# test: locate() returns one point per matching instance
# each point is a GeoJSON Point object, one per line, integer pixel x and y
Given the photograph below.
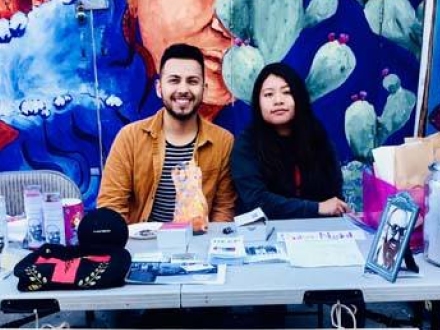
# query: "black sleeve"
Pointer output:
{"type": "Point", "coordinates": [253, 191]}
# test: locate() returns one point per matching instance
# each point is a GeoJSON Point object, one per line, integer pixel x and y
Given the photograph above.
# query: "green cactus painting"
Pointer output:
{"type": "Point", "coordinates": [365, 130]}
{"type": "Point", "coordinates": [256, 26]}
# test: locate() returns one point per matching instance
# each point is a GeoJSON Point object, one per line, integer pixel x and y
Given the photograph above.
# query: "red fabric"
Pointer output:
{"type": "Point", "coordinates": [65, 270]}
{"type": "Point", "coordinates": [297, 180]}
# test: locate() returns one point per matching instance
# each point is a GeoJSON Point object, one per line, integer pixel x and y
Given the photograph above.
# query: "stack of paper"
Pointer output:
{"type": "Point", "coordinates": [265, 252]}
{"type": "Point", "coordinates": [145, 272]}
{"type": "Point", "coordinates": [252, 225]}
{"type": "Point", "coordinates": [227, 250]}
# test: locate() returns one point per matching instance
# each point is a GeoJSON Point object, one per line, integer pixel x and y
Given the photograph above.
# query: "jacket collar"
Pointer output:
{"type": "Point", "coordinates": [153, 126]}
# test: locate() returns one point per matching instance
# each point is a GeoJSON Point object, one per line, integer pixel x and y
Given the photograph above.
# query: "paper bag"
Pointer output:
{"type": "Point", "coordinates": [191, 205]}
{"type": "Point", "coordinates": [435, 141]}
{"type": "Point", "coordinates": [411, 164]}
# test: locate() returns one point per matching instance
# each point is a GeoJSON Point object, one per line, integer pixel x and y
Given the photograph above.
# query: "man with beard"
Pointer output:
{"type": "Point", "coordinates": [394, 231]}
{"type": "Point", "coordinates": [137, 181]}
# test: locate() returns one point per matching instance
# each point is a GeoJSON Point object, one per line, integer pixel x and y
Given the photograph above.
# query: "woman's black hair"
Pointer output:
{"type": "Point", "coordinates": [308, 141]}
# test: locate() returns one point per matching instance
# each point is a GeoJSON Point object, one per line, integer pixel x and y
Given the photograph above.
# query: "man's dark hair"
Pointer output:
{"type": "Point", "coordinates": [182, 51]}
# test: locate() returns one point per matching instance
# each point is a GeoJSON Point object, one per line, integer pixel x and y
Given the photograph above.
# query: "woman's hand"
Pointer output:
{"type": "Point", "coordinates": [333, 206]}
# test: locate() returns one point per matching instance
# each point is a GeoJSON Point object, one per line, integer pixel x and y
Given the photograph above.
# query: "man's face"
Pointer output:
{"type": "Point", "coordinates": [181, 87]}
{"type": "Point", "coordinates": [53, 235]}
{"type": "Point", "coordinates": [36, 230]}
{"type": "Point", "coordinates": [397, 224]}
{"type": "Point", "coordinates": [193, 22]}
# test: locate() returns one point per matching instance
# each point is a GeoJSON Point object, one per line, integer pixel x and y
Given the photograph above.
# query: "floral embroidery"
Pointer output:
{"type": "Point", "coordinates": [90, 280]}
{"type": "Point", "coordinates": [36, 279]}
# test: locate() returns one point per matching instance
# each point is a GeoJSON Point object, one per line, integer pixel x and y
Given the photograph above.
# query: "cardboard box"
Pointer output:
{"type": "Point", "coordinates": [252, 225]}
{"type": "Point", "coordinates": [174, 235]}
{"type": "Point", "coordinates": [54, 227]}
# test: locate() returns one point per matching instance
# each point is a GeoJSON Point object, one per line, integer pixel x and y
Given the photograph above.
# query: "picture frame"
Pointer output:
{"type": "Point", "coordinates": [392, 236]}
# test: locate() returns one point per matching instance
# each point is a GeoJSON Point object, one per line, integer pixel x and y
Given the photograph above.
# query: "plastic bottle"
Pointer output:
{"type": "Point", "coordinates": [431, 230]}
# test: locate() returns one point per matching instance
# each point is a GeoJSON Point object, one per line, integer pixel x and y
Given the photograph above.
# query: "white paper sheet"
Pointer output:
{"type": "Point", "coordinates": [323, 253]}
{"type": "Point", "coordinates": [384, 163]}
{"type": "Point", "coordinates": [149, 257]}
{"type": "Point", "coordinates": [227, 247]}
{"type": "Point", "coordinates": [321, 235]}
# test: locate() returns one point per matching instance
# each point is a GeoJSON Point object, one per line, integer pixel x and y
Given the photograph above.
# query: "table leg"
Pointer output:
{"type": "Point", "coordinates": [435, 315]}
{"type": "Point", "coordinates": [330, 297]}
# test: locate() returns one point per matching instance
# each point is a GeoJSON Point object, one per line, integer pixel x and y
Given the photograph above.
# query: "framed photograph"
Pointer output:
{"type": "Point", "coordinates": [392, 236]}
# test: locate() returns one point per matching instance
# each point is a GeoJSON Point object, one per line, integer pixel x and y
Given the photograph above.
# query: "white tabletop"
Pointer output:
{"type": "Point", "coordinates": [255, 284]}
{"type": "Point", "coordinates": [126, 297]}
{"type": "Point", "coordinates": [260, 284]}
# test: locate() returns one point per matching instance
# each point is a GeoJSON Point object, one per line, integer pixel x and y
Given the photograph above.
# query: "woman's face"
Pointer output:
{"type": "Point", "coordinates": [277, 104]}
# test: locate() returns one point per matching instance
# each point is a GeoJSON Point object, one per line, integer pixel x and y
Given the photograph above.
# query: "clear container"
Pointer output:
{"type": "Point", "coordinates": [431, 230]}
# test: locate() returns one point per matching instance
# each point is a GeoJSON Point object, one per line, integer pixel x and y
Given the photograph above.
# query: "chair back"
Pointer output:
{"type": "Point", "coordinates": [12, 184]}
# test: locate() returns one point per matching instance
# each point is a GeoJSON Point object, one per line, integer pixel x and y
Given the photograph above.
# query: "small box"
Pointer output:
{"type": "Point", "coordinates": [174, 235]}
{"type": "Point", "coordinates": [252, 225]}
{"type": "Point", "coordinates": [53, 218]}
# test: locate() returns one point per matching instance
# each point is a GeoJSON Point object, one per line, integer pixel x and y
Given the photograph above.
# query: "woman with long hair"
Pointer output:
{"type": "Point", "coordinates": [284, 162]}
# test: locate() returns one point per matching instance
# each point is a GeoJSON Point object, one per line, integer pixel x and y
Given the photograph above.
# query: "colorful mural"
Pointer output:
{"type": "Point", "coordinates": [72, 76]}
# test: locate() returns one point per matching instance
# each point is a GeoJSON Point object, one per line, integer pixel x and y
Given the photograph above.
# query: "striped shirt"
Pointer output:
{"type": "Point", "coordinates": [165, 199]}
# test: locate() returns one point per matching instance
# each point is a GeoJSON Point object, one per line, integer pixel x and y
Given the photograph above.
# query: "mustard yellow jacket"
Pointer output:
{"type": "Point", "coordinates": [134, 166]}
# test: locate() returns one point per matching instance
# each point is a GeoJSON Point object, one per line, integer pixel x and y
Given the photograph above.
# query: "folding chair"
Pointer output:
{"type": "Point", "coordinates": [12, 184]}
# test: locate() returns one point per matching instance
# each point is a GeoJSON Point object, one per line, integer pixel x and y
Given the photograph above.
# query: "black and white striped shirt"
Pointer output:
{"type": "Point", "coordinates": [164, 201]}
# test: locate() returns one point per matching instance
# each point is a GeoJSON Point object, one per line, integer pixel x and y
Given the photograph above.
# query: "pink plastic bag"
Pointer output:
{"type": "Point", "coordinates": [375, 194]}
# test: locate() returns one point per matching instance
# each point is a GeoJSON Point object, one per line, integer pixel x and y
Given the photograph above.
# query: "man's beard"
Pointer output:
{"type": "Point", "coordinates": [391, 249]}
{"type": "Point", "coordinates": [181, 116]}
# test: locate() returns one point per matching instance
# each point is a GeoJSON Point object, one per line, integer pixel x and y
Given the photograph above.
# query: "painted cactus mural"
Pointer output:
{"type": "Point", "coordinates": [361, 127]}
{"type": "Point", "coordinates": [256, 24]}
{"type": "Point", "coordinates": [398, 21]}
{"type": "Point", "coordinates": [332, 65]}
{"type": "Point", "coordinates": [69, 82]}
{"type": "Point", "coordinates": [398, 108]}
{"type": "Point", "coordinates": [365, 130]}
{"type": "Point", "coordinates": [251, 62]}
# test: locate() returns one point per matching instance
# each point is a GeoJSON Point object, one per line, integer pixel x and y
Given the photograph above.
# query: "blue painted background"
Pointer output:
{"type": "Point", "coordinates": [67, 87]}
